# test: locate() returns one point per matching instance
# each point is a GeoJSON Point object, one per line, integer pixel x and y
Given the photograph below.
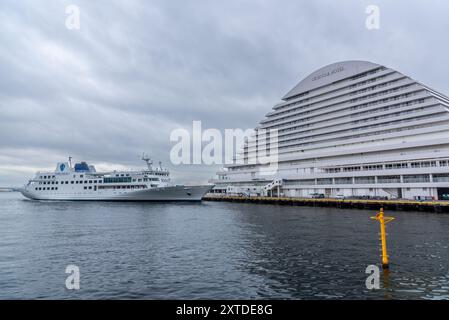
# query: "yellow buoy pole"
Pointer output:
{"type": "Point", "coordinates": [383, 235]}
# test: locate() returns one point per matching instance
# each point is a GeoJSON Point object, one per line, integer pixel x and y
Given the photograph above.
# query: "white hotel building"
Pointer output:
{"type": "Point", "coordinates": [352, 129]}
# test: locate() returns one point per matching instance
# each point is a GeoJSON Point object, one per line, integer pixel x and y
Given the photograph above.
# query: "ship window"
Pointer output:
{"type": "Point", "coordinates": [90, 188]}
{"type": "Point", "coordinates": [85, 181]}
{"type": "Point", "coordinates": [95, 181]}
{"type": "Point", "coordinates": [52, 188]}
{"type": "Point", "coordinates": [81, 175]}
{"type": "Point", "coordinates": [99, 181]}
{"type": "Point", "coordinates": [35, 189]}
{"type": "Point", "coordinates": [56, 188]}
{"type": "Point", "coordinates": [56, 182]}
{"type": "Point", "coordinates": [90, 181]}
{"type": "Point", "coordinates": [117, 180]}
{"type": "Point", "coordinates": [85, 188]}
{"type": "Point", "coordinates": [52, 182]}
{"type": "Point", "coordinates": [72, 182]}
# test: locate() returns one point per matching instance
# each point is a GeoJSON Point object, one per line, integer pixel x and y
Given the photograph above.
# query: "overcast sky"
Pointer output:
{"type": "Point", "coordinates": [136, 70]}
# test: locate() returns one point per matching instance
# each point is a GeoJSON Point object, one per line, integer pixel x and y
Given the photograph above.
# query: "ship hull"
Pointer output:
{"type": "Point", "coordinates": [173, 193]}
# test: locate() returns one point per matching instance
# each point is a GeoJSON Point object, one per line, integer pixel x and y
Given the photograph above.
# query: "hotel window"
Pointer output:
{"type": "Point", "coordinates": [389, 179]}
{"type": "Point", "coordinates": [442, 177]}
{"type": "Point", "coordinates": [324, 181]}
{"type": "Point", "coordinates": [343, 180]}
{"type": "Point", "coordinates": [365, 180]}
{"type": "Point", "coordinates": [396, 166]}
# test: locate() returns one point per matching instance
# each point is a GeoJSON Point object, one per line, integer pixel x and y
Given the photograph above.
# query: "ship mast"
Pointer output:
{"type": "Point", "coordinates": [148, 160]}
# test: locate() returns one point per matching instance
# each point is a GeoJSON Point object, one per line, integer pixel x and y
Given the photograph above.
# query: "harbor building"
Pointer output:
{"type": "Point", "coordinates": [352, 129]}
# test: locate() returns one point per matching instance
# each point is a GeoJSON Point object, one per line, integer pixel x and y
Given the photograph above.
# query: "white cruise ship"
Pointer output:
{"type": "Point", "coordinates": [82, 182]}
{"type": "Point", "coordinates": [352, 129]}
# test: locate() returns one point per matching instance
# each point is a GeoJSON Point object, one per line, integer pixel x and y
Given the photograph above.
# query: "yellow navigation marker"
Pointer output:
{"type": "Point", "coordinates": [383, 235]}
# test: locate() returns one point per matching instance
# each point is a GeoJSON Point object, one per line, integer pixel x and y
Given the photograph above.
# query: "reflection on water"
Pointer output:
{"type": "Point", "coordinates": [215, 250]}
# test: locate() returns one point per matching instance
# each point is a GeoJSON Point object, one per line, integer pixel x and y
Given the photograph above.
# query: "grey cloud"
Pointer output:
{"type": "Point", "coordinates": [138, 69]}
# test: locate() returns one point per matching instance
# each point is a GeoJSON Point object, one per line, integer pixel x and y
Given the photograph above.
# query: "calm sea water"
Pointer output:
{"type": "Point", "coordinates": [215, 251]}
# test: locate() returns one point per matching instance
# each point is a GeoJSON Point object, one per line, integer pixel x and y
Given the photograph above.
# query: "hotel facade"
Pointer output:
{"type": "Point", "coordinates": [351, 129]}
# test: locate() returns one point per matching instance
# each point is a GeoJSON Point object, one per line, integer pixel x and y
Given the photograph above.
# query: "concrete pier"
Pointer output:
{"type": "Point", "coordinates": [400, 205]}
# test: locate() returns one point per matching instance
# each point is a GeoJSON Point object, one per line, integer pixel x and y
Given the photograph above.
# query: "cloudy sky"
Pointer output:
{"type": "Point", "coordinates": [136, 70]}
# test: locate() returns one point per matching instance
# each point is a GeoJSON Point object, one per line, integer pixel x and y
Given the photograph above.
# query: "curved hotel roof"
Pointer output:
{"type": "Point", "coordinates": [328, 74]}
{"type": "Point", "coordinates": [355, 107]}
